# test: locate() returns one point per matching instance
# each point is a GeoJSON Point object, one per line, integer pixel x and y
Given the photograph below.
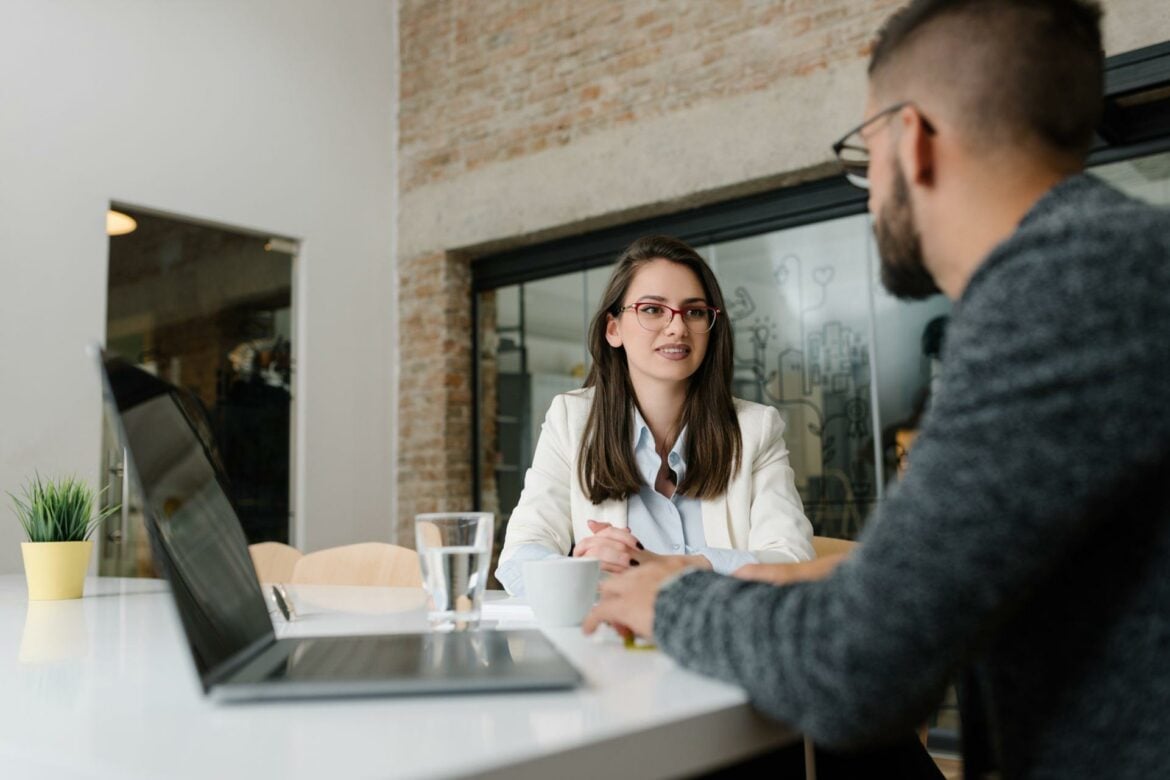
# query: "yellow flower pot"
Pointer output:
{"type": "Point", "coordinates": [55, 570]}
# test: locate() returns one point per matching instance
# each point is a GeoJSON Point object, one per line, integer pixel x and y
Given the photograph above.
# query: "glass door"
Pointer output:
{"type": "Point", "coordinates": [208, 309]}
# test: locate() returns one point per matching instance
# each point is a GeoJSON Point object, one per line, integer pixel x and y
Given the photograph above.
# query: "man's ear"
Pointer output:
{"type": "Point", "coordinates": [918, 152]}
{"type": "Point", "coordinates": [612, 334]}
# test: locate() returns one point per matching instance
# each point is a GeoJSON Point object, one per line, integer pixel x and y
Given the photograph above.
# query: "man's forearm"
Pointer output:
{"type": "Point", "coordinates": [787, 648]}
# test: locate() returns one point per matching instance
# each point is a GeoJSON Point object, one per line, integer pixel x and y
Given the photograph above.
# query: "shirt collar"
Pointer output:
{"type": "Point", "coordinates": [644, 444]}
{"type": "Point", "coordinates": [642, 435]}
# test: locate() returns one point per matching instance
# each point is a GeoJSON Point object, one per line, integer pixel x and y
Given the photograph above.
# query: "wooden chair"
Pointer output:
{"type": "Point", "coordinates": [369, 563]}
{"type": "Point", "coordinates": [274, 561]}
{"type": "Point", "coordinates": [827, 545]}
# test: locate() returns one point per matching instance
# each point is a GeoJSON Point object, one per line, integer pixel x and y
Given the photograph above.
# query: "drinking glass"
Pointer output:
{"type": "Point", "coordinates": [455, 550]}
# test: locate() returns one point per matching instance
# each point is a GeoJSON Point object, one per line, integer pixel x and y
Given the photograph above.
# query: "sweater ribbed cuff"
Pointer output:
{"type": "Point", "coordinates": [675, 596]}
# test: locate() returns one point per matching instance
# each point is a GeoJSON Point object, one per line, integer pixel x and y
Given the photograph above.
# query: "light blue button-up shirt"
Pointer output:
{"type": "Point", "coordinates": [668, 526]}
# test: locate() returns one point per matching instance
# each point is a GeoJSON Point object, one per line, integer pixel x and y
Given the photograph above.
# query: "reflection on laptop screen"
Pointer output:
{"type": "Point", "coordinates": [196, 535]}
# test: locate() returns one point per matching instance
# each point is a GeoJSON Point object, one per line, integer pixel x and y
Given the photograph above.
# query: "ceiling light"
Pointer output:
{"type": "Point", "coordinates": [119, 224]}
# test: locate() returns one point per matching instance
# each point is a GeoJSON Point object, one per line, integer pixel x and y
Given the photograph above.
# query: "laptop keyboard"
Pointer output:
{"type": "Point", "coordinates": [414, 656]}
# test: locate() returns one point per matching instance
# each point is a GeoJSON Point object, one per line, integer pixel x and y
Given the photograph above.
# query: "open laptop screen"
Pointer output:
{"type": "Point", "coordinates": [195, 533]}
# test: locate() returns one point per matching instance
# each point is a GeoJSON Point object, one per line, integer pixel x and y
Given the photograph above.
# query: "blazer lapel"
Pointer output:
{"type": "Point", "coordinates": [715, 523]}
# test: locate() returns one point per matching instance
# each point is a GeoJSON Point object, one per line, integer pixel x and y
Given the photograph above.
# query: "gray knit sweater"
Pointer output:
{"type": "Point", "coordinates": [1029, 541]}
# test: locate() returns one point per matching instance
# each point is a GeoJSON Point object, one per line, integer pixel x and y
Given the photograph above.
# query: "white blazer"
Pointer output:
{"type": "Point", "coordinates": [761, 511]}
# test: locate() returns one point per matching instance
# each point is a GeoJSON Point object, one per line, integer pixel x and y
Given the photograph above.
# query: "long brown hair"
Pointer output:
{"type": "Point", "coordinates": [713, 447]}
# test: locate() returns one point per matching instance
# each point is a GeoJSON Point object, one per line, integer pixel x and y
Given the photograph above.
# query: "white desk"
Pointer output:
{"type": "Point", "coordinates": [105, 687]}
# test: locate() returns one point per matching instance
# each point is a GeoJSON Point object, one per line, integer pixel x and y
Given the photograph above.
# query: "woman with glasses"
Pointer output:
{"type": "Point", "coordinates": [654, 457]}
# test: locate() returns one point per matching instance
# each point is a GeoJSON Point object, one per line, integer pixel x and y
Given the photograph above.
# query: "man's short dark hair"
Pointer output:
{"type": "Point", "coordinates": [1027, 66]}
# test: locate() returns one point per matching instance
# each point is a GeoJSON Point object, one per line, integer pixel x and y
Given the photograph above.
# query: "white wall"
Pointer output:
{"type": "Point", "coordinates": [273, 115]}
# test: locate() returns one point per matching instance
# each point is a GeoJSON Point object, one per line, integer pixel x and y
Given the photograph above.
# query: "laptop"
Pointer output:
{"type": "Point", "coordinates": [199, 545]}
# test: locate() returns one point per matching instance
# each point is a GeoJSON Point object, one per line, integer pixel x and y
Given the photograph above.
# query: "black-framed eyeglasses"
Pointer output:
{"type": "Point", "coordinates": [852, 151]}
{"type": "Point", "coordinates": [655, 316]}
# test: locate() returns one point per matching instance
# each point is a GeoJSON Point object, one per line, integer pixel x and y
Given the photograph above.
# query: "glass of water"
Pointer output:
{"type": "Point", "coordinates": [454, 550]}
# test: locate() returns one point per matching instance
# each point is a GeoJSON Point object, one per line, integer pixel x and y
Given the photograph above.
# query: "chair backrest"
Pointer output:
{"type": "Point", "coordinates": [827, 545]}
{"type": "Point", "coordinates": [274, 561]}
{"type": "Point", "coordinates": [369, 563]}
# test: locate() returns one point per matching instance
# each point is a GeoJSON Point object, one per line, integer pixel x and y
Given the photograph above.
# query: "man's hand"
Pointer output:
{"type": "Point", "coordinates": [627, 601]}
{"type": "Point", "coordinates": [787, 573]}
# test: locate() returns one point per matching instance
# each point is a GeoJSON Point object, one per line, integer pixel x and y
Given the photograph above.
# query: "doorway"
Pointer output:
{"type": "Point", "coordinates": [209, 309]}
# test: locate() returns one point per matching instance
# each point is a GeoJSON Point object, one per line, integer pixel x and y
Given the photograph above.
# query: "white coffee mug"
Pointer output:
{"type": "Point", "coordinates": [561, 590]}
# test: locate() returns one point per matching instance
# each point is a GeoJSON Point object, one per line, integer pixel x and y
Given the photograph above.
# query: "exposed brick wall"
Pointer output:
{"type": "Point", "coordinates": [434, 462]}
{"type": "Point", "coordinates": [486, 82]}
{"type": "Point", "coordinates": [488, 401]}
{"type": "Point", "coordinates": [489, 396]}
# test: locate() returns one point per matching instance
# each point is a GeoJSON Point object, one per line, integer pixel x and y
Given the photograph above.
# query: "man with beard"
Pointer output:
{"type": "Point", "coordinates": [1027, 550]}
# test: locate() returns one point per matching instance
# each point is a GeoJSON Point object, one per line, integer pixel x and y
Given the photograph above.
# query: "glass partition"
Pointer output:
{"type": "Point", "coordinates": [849, 367]}
{"type": "Point", "coordinates": [1146, 178]}
{"type": "Point", "coordinates": [811, 321]}
{"type": "Point", "coordinates": [809, 317]}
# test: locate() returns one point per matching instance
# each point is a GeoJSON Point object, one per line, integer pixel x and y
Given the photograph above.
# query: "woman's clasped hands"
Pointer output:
{"type": "Point", "coordinates": [619, 550]}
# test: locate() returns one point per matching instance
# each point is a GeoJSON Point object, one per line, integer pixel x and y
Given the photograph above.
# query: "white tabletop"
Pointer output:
{"type": "Point", "coordinates": [104, 687]}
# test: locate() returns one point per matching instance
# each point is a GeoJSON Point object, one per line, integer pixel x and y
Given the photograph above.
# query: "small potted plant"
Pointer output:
{"type": "Point", "coordinates": [58, 518]}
